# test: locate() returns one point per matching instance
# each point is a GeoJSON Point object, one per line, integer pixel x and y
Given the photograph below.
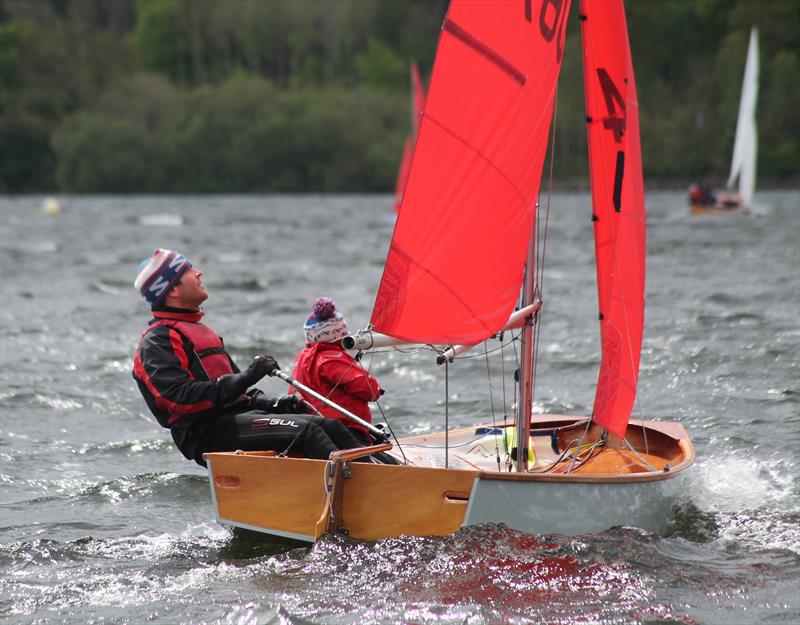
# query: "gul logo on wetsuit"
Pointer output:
{"type": "Point", "coordinates": [263, 423]}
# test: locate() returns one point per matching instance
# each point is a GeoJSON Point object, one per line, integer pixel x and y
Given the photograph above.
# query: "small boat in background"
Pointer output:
{"type": "Point", "coordinates": [467, 250]}
{"type": "Point", "coordinates": [417, 105]}
{"type": "Point", "coordinates": [745, 149]}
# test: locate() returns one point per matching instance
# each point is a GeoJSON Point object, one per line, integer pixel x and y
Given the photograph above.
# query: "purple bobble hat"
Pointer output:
{"type": "Point", "coordinates": [325, 325]}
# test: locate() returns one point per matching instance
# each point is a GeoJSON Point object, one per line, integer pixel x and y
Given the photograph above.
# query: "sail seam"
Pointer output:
{"type": "Point", "coordinates": [482, 156]}
{"type": "Point", "coordinates": [481, 48]}
{"type": "Point", "coordinates": [397, 250]}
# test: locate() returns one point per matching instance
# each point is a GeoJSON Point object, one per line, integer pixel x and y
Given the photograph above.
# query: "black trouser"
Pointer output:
{"type": "Point", "coordinates": [310, 436]}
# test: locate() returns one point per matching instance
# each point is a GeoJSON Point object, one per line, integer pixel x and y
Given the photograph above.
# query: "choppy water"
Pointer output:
{"type": "Point", "coordinates": [103, 521]}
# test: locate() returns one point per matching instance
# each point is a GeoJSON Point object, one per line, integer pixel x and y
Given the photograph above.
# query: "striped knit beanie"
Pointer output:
{"type": "Point", "coordinates": [159, 273]}
{"type": "Point", "coordinates": [325, 325]}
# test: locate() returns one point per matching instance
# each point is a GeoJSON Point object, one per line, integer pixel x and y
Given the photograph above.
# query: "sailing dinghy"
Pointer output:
{"type": "Point", "coordinates": [745, 147]}
{"type": "Point", "coordinates": [474, 185]}
{"type": "Point", "coordinates": [417, 104]}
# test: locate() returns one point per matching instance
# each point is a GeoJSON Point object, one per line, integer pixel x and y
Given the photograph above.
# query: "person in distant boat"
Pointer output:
{"type": "Point", "coordinates": [326, 367]}
{"type": "Point", "coordinates": [193, 387]}
{"type": "Point", "coordinates": [700, 193]}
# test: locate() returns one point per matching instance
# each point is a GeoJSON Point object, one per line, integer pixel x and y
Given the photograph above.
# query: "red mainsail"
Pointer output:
{"type": "Point", "coordinates": [455, 265]}
{"type": "Point", "coordinates": [615, 161]}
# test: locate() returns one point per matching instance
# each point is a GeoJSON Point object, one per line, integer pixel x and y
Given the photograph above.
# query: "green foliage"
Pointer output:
{"type": "Point", "coordinates": [312, 95]}
{"type": "Point", "coordinates": [245, 134]}
{"type": "Point", "coordinates": [26, 160]}
{"type": "Point", "coordinates": [102, 154]}
{"type": "Point", "coordinates": [9, 61]}
{"type": "Point", "coordinates": [780, 104]}
{"type": "Point", "coordinates": [51, 64]}
{"type": "Point", "coordinates": [380, 68]}
{"type": "Point", "coordinates": [158, 40]}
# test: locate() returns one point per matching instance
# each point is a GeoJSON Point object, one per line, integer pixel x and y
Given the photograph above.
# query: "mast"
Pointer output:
{"type": "Point", "coordinates": [525, 407]}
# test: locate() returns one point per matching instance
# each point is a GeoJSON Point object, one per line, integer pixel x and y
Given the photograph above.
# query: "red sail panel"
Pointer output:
{"type": "Point", "coordinates": [615, 161]}
{"type": "Point", "coordinates": [402, 173]}
{"type": "Point", "coordinates": [417, 100]}
{"type": "Point", "coordinates": [417, 106]}
{"type": "Point", "coordinates": [455, 265]}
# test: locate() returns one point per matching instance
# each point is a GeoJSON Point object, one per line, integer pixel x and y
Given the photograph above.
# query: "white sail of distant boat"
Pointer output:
{"type": "Point", "coordinates": [743, 164]}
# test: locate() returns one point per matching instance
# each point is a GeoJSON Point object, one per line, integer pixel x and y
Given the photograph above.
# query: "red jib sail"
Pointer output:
{"type": "Point", "coordinates": [455, 265]}
{"type": "Point", "coordinates": [615, 161]}
{"type": "Point", "coordinates": [417, 105]}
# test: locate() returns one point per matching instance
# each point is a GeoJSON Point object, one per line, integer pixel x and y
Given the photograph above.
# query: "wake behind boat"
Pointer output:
{"type": "Point", "coordinates": [474, 184]}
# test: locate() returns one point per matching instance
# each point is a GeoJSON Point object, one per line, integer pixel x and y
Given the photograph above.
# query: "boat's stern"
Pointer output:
{"type": "Point", "coordinates": [260, 492]}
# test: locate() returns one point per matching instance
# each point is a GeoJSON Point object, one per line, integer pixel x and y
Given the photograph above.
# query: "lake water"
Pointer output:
{"type": "Point", "coordinates": [103, 521]}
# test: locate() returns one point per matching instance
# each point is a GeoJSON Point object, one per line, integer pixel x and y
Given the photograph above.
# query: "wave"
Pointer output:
{"type": "Point", "coordinates": [125, 447]}
{"type": "Point", "coordinates": [744, 501]}
{"type": "Point", "coordinates": [155, 487]}
{"type": "Point", "coordinates": [161, 219]}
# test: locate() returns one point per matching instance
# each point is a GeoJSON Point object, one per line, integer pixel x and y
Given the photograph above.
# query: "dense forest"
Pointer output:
{"type": "Point", "coordinates": [135, 96]}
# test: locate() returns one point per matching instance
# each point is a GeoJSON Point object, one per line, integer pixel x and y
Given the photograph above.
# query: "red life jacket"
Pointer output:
{"type": "Point", "coordinates": [328, 369]}
{"type": "Point", "coordinates": [208, 347]}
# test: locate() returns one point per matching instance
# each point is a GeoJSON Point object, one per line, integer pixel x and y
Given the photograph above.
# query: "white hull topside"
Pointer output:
{"type": "Point", "coordinates": [573, 507]}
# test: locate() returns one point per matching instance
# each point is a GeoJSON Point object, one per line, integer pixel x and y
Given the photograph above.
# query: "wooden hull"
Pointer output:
{"type": "Point", "coordinates": [300, 499]}
{"type": "Point", "coordinates": [725, 205]}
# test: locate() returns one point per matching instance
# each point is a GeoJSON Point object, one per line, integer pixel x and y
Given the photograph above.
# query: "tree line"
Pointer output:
{"type": "Point", "coordinates": [124, 96]}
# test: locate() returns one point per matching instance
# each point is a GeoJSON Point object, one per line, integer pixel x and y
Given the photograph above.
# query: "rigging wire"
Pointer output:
{"type": "Point", "coordinates": [509, 464]}
{"type": "Point", "coordinates": [505, 403]}
{"type": "Point", "coordinates": [446, 414]}
{"type": "Point", "coordinates": [453, 446]}
{"type": "Point", "coordinates": [391, 431]}
{"type": "Point", "coordinates": [491, 401]}
{"type": "Point", "coordinates": [540, 250]}
{"type": "Point", "coordinates": [377, 403]}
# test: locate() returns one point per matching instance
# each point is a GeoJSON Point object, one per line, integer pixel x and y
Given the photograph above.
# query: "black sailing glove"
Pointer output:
{"type": "Point", "coordinates": [262, 365]}
{"type": "Point", "coordinates": [235, 384]}
{"type": "Point", "coordinates": [288, 404]}
{"type": "Point", "coordinates": [291, 404]}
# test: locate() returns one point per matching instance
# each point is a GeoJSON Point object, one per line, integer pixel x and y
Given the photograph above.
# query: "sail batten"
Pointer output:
{"type": "Point", "coordinates": [454, 269]}
{"type": "Point", "coordinates": [454, 29]}
{"type": "Point", "coordinates": [615, 164]}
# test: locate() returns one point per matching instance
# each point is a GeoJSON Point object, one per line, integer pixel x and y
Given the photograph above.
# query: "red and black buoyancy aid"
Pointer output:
{"type": "Point", "coordinates": [206, 343]}
{"type": "Point", "coordinates": [200, 354]}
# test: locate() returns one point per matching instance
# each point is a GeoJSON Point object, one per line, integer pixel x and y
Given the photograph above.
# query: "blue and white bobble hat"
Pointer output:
{"type": "Point", "coordinates": [159, 273]}
{"type": "Point", "coordinates": [325, 325]}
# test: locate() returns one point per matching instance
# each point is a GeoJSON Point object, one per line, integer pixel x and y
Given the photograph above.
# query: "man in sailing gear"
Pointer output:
{"type": "Point", "coordinates": [193, 387]}
{"type": "Point", "coordinates": [700, 193]}
{"type": "Point", "coordinates": [325, 367]}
